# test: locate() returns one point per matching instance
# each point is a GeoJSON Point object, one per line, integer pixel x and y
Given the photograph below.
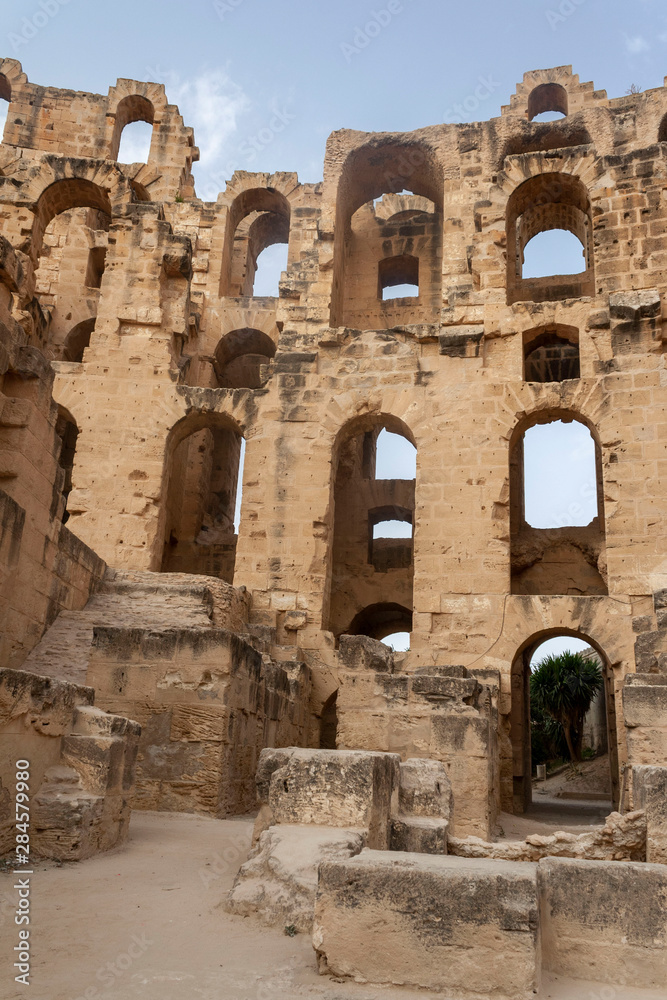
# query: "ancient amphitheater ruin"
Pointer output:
{"type": "Point", "coordinates": [156, 657]}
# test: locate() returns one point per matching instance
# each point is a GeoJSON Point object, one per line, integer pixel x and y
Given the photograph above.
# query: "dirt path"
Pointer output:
{"type": "Point", "coordinates": [145, 922]}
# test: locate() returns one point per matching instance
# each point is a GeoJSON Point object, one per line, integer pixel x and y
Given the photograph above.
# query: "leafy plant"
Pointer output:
{"type": "Point", "coordinates": [562, 688]}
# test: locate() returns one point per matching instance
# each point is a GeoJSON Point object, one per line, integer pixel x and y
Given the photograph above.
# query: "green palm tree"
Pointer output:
{"type": "Point", "coordinates": [564, 687]}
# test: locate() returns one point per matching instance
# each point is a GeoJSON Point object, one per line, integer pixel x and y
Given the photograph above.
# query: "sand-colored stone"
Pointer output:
{"type": "Point", "coordinates": [466, 928]}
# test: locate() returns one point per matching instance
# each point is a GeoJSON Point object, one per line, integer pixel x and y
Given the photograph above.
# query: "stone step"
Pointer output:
{"type": "Point", "coordinates": [125, 600]}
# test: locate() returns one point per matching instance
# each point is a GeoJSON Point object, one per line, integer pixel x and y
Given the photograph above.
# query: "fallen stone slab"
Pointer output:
{"type": "Point", "coordinates": [465, 927]}
{"type": "Point", "coordinates": [278, 882]}
{"type": "Point", "coordinates": [604, 921]}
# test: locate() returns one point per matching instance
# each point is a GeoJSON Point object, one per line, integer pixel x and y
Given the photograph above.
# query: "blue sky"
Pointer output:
{"type": "Point", "coordinates": [264, 83]}
{"type": "Point", "coordinates": [233, 65]}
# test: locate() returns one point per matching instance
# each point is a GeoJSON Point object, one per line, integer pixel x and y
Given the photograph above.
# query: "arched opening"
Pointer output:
{"type": "Point", "coordinates": [381, 620]}
{"type": "Point", "coordinates": [551, 354]}
{"type": "Point", "coordinates": [204, 476]}
{"type": "Point", "coordinates": [5, 98]}
{"type": "Point", "coordinates": [537, 738]}
{"type": "Point", "coordinates": [390, 538]}
{"type": "Point", "coordinates": [547, 102]}
{"type": "Point", "coordinates": [398, 641]}
{"type": "Point", "coordinates": [270, 264]}
{"type": "Point", "coordinates": [556, 251]}
{"type": "Point", "coordinates": [133, 130]}
{"type": "Point", "coordinates": [662, 131]}
{"type": "Point", "coordinates": [556, 508]}
{"type": "Point", "coordinates": [398, 277]}
{"type": "Point", "coordinates": [78, 340]}
{"type": "Point", "coordinates": [542, 204]}
{"type": "Point", "coordinates": [372, 555]}
{"type": "Point", "coordinates": [69, 275]}
{"type": "Point", "coordinates": [67, 432]}
{"type": "Point", "coordinates": [239, 358]}
{"type": "Point", "coordinates": [389, 223]}
{"type": "Point", "coordinates": [329, 723]}
{"type": "Point", "coordinates": [394, 455]}
{"type": "Point", "coordinates": [258, 221]}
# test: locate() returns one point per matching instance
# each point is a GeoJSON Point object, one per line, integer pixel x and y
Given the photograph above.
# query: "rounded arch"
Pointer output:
{"type": "Point", "coordinates": [551, 353]}
{"type": "Point", "coordinates": [132, 108]}
{"type": "Point", "coordinates": [662, 131]}
{"type": "Point", "coordinates": [520, 711]}
{"type": "Point", "coordinates": [547, 97]}
{"type": "Point", "coordinates": [238, 357]}
{"type": "Point", "coordinates": [542, 203]}
{"type": "Point", "coordinates": [381, 619]}
{"type": "Point", "coordinates": [371, 423]}
{"type": "Point", "coordinates": [547, 415]}
{"type": "Point", "coordinates": [78, 339]}
{"type": "Point", "coordinates": [383, 165]}
{"type": "Point", "coordinates": [57, 184]}
{"type": "Point", "coordinates": [388, 166]}
{"type": "Point", "coordinates": [201, 480]}
{"type": "Point", "coordinates": [197, 420]}
{"type": "Point", "coordinates": [257, 218]}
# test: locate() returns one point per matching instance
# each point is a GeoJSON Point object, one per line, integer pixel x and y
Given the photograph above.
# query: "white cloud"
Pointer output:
{"type": "Point", "coordinates": [212, 104]}
{"type": "Point", "coordinates": [636, 45]}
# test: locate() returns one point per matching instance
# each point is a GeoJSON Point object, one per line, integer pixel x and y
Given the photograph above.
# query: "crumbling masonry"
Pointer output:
{"type": "Point", "coordinates": [135, 361]}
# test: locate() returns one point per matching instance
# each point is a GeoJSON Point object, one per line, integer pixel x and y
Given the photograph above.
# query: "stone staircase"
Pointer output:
{"type": "Point", "coordinates": [157, 601]}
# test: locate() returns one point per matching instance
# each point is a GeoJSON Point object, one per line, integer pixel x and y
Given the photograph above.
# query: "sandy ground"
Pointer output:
{"type": "Point", "coordinates": [145, 922]}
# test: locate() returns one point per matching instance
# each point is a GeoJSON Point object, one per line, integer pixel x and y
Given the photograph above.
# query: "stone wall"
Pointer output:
{"type": "Point", "coordinates": [208, 703]}
{"type": "Point", "coordinates": [81, 767]}
{"type": "Point", "coordinates": [163, 359]}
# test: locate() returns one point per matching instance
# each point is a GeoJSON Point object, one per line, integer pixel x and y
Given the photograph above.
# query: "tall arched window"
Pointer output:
{"type": "Point", "coordinates": [556, 508]}
{"type": "Point", "coordinates": [257, 238]}
{"type": "Point", "coordinates": [133, 130]}
{"type": "Point", "coordinates": [68, 433]}
{"type": "Point", "coordinates": [5, 98]}
{"type": "Point", "coordinates": [70, 237]}
{"type": "Point", "coordinates": [556, 209]}
{"type": "Point", "coordinates": [203, 500]}
{"type": "Point", "coordinates": [538, 739]}
{"type": "Point", "coordinates": [388, 234]}
{"type": "Point", "coordinates": [372, 561]}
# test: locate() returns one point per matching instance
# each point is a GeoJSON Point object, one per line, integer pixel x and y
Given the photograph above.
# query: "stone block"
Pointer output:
{"type": "Point", "coordinates": [466, 928]}
{"type": "Point", "coordinates": [604, 921]}
{"type": "Point", "coordinates": [649, 785]}
{"type": "Point", "coordinates": [278, 882]}
{"type": "Point", "coordinates": [336, 788]}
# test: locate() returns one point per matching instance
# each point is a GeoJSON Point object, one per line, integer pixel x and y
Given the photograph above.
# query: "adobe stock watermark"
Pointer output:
{"type": "Point", "coordinates": [228, 862]}
{"type": "Point", "coordinates": [109, 973]}
{"type": "Point", "coordinates": [248, 150]}
{"type": "Point", "coordinates": [459, 113]}
{"type": "Point", "coordinates": [225, 7]}
{"type": "Point", "coordinates": [32, 25]}
{"type": "Point", "coordinates": [364, 34]}
{"type": "Point", "coordinates": [564, 10]}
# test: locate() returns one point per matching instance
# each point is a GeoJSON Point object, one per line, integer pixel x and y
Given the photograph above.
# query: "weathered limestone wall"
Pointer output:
{"type": "Point", "coordinates": [441, 713]}
{"type": "Point", "coordinates": [467, 928]}
{"type": "Point", "coordinates": [604, 921]}
{"type": "Point", "coordinates": [81, 766]}
{"type": "Point", "coordinates": [208, 703]}
{"type": "Point", "coordinates": [44, 567]}
{"type": "Point", "coordinates": [176, 351]}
